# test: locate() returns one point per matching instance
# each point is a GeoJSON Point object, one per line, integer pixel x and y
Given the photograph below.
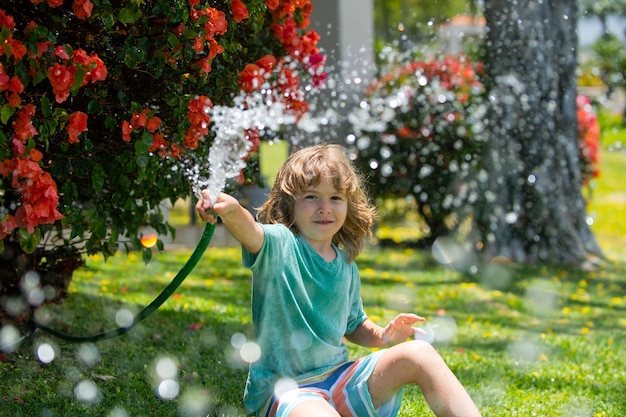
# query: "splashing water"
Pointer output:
{"type": "Point", "coordinates": [230, 145]}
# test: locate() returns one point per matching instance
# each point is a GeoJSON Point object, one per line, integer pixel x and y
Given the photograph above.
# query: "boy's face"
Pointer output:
{"type": "Point", "coordinates": [320, 212]}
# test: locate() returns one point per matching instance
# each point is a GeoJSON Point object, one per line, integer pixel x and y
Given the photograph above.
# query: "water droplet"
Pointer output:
{"type": "Point", "coordinates": [237, 340]}
{"type": "Point", "coordinates": [166, 368]}
{"type": "Point", "coordinates": [124, 318]}
{"type": "Point", "coordinates": [250, 352]}
{"type": "Point", "coordinates": [168, 389]}
{"type": "Point", "coordinates": [87, 392]}
{"type": "Point", "coordinates": [88, 354]}
{"type": "Point", "coordinates": [9, 338]}
{"type": "Point", "coordinates": [510, 217]}
{"type": "Point", "coordinates": [444, 328]}
{"type": "Point", "coordinates": [284, 385]}
{"type": "Point", "coordinates": [195, 402]}
{"type": "Point", "coordinates": [118, 412]}
{"type": "Point", "coordinates": [45, 353]}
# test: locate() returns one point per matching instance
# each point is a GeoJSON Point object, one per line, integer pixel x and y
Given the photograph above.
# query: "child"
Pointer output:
{"type": "Point", "coordinates": [306, 298]}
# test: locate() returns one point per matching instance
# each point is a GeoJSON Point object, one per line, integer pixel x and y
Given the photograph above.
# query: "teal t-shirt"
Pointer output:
{"type": "Point", "coordinates": [302, 306]}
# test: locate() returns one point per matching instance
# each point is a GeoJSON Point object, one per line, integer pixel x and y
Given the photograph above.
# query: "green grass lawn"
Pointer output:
{"type": "Point", "coordinates": [549, 344]}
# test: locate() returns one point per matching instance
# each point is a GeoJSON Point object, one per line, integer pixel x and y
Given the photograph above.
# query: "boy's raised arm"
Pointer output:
{"type": "Point", "coordinates": [236, 218]}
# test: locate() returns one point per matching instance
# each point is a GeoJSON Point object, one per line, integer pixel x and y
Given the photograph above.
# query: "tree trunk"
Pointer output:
{"type": "Point", "coordinates": [532, 206]}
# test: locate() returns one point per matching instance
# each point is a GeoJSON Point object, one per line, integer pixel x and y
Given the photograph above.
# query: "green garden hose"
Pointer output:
{"type": "Point", "coordinates": [203, 243]}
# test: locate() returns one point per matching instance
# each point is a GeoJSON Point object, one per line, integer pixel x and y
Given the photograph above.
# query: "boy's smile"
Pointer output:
{"type": "Point", "coordinates": [319, 213]}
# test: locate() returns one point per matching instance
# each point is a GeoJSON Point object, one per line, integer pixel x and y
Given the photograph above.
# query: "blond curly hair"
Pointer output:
{"type": "Point", "coordinates": [305, 169]}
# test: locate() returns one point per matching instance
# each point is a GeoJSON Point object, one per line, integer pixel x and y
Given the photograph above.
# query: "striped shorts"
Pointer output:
{"type": "Point", "coordinates": [345, 389]}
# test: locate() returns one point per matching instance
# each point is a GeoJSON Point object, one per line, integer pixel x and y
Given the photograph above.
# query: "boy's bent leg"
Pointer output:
{"type": "Point", "coordinates": [417, 362]}
{"type": "Point", "coordinates": [315, 408]}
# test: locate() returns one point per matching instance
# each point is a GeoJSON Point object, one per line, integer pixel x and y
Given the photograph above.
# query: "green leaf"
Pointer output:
{"type": "Point", "coordinates": [143, 160]}
{"type": "Point", "coordinates": [172, 40]}
{"type": "Point", "coordinates": [144, 143]}
{"type": "Point", "coordinates": [5, 113]}
{"type": "Point", "coordinates": [97, 179]}
{"type": "Point", "coordinates": [130, 14]}
{"type": "Point", "coordinates": [93, 107]}
{"type": "Point", "coordinates": [29, 241]}
{"type": "Point", "coordinates": [46, 108]}
{"type": "Point", "coordinates": [77, 231]}
{"type": "Point", "coordinates": [99, 228]}
{"type": "Point", "coordinates": [39, 77]}
{"type": "Point", "coordinates": [111, 123]}
{"type": "Point", "coordinates": [108, 20]}
{"type": "Point", "coordinates": [146, 255]}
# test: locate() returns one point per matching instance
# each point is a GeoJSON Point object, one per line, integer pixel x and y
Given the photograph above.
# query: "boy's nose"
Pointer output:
{"type": "Point", "coordinates": [324, 207]}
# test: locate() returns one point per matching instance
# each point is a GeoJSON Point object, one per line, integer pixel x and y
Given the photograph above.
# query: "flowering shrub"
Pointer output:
{"type": "Point", "coordinates": [101, 103]}
{"type": "Point", "coordinates": [417, 133]}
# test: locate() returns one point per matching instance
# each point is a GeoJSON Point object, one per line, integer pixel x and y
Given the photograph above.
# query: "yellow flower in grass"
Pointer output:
{"type": "Point", "coordinates": [616, 300]}
{"type": "Point", "coordinates": [585, 330]}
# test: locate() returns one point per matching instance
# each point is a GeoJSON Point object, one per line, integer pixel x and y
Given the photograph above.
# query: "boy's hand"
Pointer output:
{"type": "Point", "coordinates": [401, 328]}
{"type": "Point", "coordinates": [204, 209]}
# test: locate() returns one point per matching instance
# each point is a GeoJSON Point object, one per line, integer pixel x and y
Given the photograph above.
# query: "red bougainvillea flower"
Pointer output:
{"type": "Point", "coordinates": [94, 66]}
{"type": "Point", "coordinates": [198, 44]}
{"type": "Point", "coordinates": [267, 62]}
{"type": "Point", "coordinates": [127, 129]}
{"type": "Point", "coordinates": [62, 53]}
{"type": "Point", "coordinates": [153, 124]}
{"type": "Point", "coordinates": [214, 49]}
{"type": "Point", "coordinates": [138, 120]}
{"type": "Point", "coordinates": [588, 139]}
{"type": "Point", "coordinates": [17, 48]}
{"type": "Point", "coordinates": [54, 3]}
{"type": "Point", "coordinates": [7, 225]}
{"type": "Point", "coordinates": [239, 11]}
{"type": "Point", "coordinates": [6, 20]}
{"type": "Point", "coordinates": [216, 25]}
{"type": "Point", "coordinates": [13, 99]}
{"type": "Point", "coordinates": [158, 143]}
{"type": "Point", "coordinates": [205, 66]}
{"type": "Point", "coordinates": [272, 4]}
{"type": "Point", "coordinates": [23, 128]}
{"type": "Point", "coordinates": [15, 85]}
{"type": "Point", "coordinates": [77, 124]}
{"type": "Point", "coordinates": [197, 113]}
{"type": "Point", "coordinates": [251, 78]}
{"type": "Point", "coordinates": [61, 78]}
{"type": "Point", "coordinates": [39, 194]}
{"type": "Point", "coordinates": [82, 8]}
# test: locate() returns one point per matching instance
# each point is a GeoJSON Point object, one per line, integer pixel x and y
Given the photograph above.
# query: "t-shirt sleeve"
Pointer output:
{"type": "Point", "coordinates": [273, 234]}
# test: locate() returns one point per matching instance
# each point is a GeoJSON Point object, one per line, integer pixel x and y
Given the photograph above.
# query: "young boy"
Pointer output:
{"type": "Point", "coordinates": [306, 298]}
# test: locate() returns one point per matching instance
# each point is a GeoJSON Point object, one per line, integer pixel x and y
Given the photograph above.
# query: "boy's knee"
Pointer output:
{"type": "Point", "coordinates": [422, 353]}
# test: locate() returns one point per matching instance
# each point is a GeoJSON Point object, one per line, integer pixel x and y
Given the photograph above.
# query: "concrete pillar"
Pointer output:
{"type": "Point", "coordinates": [346, 28]}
